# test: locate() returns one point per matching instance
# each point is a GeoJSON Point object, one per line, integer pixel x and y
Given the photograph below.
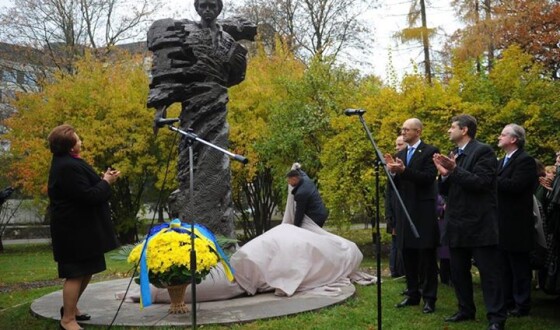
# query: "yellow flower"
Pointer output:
{"type": "Point", "coordinates": [168, 257]}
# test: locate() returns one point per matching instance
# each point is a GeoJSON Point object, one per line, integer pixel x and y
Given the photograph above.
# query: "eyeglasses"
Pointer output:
{"type": "Point", "coordinates": [404, 129]}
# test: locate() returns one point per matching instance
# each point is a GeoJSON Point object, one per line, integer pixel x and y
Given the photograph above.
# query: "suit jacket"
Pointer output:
{"type": "Point", "coordinates": [417, 187]}
{"type": "Point", "coordinates": [81, 226]}
{"type": "Point", "coordinates": [471, 214]}
{"type": "Point", "coordinates": [308, 202]}
{"type": "Point", "coordinates": [516, 182]}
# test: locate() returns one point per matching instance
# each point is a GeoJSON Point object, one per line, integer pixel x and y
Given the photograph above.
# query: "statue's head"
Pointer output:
{"type": "Point", "coordinates": [208, 9]}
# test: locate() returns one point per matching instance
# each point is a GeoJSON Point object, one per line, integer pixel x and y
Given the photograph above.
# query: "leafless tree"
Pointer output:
{"type": "Point", "coordinates": [64, 29]}
{"type": "Point", "coordinates": [312, 28]}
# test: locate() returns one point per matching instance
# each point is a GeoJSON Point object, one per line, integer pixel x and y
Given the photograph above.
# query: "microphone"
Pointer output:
{"type": "Point", "coordinates": [241, 159]}
{"type": "Point", "coordinates": [160, 122]}
{"type": "Point", "coordinates": [353, 112]}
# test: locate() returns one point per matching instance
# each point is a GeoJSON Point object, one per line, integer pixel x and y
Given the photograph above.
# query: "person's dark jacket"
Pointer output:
{"type": "Point", "coordinates": [81, 226]}
{"type": "Point", "coordinates": [418, 189]}
{"type": "Point", "coordinates": [516, 182]}
{"type": "Point", "coordinates": [389, 209]}
{"type": "Point", "coordinates": [308, 202]}
{"type": "Point", "coordinates": [471, 214]}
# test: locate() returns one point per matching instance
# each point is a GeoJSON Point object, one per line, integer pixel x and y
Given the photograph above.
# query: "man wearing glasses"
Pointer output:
{"type": "Point", "coordinates": [415, 178]}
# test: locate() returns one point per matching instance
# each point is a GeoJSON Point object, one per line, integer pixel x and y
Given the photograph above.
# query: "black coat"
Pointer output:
{"type": "Point", "coordinates": [418, 190]}
{"type": "Point", "coordinates": [308, 202]}
{"type": "Point", "coordinates": [516, 183]}
{"type": "Point", "coordinates": [471, 213]}
{"type": "Point", "coordinates": [81, 225]}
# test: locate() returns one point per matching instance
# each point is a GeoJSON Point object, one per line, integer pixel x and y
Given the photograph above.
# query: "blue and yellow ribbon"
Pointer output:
{"type": "Point", "coordinates": [200, 232]}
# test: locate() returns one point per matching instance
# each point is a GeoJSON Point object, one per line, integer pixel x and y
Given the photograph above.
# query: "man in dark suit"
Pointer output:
{"type": "Point", "coordinates": [395, 256]}
{"type": "Point", "coordinates": [307, 198]}
{"type": "Point", "coordinates": [517, 178]}
{"type": "Point", "coordinates": [415, 178]}
{"type": "Point", "coordinates": [468, 180]}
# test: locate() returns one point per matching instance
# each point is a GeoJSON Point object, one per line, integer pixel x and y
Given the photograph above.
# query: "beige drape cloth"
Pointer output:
{"type": "Point", "coordinates": [290, 259]}
{"type": "Point", "coordinates": [286, 259]}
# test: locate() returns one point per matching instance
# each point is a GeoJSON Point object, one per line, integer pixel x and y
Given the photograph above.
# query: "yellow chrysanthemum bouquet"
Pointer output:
{"type": "Point", "coordinates": [168, 254]}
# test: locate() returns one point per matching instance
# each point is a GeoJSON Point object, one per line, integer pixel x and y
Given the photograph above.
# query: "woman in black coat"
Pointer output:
{"type": "Point", "coordinates": [81, 227]}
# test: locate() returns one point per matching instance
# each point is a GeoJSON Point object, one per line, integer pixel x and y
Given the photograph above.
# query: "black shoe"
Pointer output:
{"type": "Point", "coordinates": [408, 302]}
{"type": "Point", "coordinates": [459, 317]}
{"type": "Point", "coordinates": [81, 317]}
{"type": "Point", "coordinates": [517, 312]}
{"type": "Point", "coordinates": [429, 307]}
{"type": "Point", "coordinates": [496, 326]}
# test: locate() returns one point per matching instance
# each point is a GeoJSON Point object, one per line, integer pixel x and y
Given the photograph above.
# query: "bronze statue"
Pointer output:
{"type": "Point", "coordinates": [194, 63]}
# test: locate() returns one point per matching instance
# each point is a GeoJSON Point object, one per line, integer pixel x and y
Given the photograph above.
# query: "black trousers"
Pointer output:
{"type": "Point", "coordinates": [489, 263]}
{"type": "Point", "coordinates": [420, 269]}
{"type": "Point", "coordinates": [517, 280]}
{"type": "Point", "coordinates": [445, 271]}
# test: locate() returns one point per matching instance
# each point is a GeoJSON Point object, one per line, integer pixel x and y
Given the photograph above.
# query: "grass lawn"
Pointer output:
{"type": "Point", "coordinates": [28, 272]}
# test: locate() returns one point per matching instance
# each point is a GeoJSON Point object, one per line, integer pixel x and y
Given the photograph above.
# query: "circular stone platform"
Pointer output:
{"type": "Point", "coordinates": [99, 301]}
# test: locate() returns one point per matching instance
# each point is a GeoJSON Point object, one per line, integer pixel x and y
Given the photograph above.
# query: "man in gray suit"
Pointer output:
{"type": "Point", "coordinates": [517, 179]}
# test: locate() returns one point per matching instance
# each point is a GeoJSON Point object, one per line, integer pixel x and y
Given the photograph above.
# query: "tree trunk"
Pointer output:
{"type": "Point", "coordinates": [488, 19]}
{"type": "Point", "coordinates": [161, 218]}
{"type": "Point", "coordinates": [477, 21]}
{"type": "Point", "coordinates": [426, 43]}
{"type": "Point", "coordinates": [261, 198]}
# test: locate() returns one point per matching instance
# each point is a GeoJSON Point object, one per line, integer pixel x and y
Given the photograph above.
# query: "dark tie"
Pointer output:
{"type": "Point", "coordinates": [409, 155]}
{"type": "Point", "coordinates": [506, 160]}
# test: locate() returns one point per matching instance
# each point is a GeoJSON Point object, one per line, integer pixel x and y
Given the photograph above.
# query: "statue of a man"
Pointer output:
{"type": "Point", "coordinates": [194, 63]}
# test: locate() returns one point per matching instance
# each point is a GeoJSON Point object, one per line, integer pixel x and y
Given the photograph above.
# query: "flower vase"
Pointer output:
{"type": "Point", "coordinates": [177, 297]}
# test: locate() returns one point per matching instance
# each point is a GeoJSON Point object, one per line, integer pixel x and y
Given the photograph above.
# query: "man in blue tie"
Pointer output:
{"type": "Point", "coordinates": [415, 178]}
{"type": "Point", "coordinates": [517, 179]}
{"type": "Point", "coordinates": [469, 183]}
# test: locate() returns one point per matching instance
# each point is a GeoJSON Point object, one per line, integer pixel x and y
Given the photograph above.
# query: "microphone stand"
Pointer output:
{"type": "Point", "coordinates": [381, 161]}
{"type": "Point", "coordinates": [191, 137]}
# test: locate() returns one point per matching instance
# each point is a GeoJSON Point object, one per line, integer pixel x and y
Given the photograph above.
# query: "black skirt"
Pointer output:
{"type": "Point", "coordinates": [82, 268]}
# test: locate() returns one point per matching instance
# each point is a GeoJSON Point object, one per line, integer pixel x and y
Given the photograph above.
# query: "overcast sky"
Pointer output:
{"type": "Point", "coordinates": [388, 18]}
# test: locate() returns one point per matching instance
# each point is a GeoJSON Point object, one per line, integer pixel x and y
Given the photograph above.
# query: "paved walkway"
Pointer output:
{"type": "Point", "coordinates": [48, 240]}
{"type": "Point", "coordinates": [26, 241]}
{"type": "Point", "coordinates": [99, 301]}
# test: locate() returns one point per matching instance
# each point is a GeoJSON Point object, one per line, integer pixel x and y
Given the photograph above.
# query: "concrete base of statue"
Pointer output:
{"type": "Point", "coordinates": [99, 300]}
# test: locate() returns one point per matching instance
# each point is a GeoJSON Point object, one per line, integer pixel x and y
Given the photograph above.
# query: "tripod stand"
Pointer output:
{"type": "Point", "coordinates": [191, 138]}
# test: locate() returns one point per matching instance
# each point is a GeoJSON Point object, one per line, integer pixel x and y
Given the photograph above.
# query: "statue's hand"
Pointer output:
{"type": "Point", "coordinates": [161, 113]}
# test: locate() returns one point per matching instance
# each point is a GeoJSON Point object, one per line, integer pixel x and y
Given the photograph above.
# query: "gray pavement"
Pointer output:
{"type": "Point", "coordinates": [100, 302]}
{"type": "Point", "coordinates": [26, 241]}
